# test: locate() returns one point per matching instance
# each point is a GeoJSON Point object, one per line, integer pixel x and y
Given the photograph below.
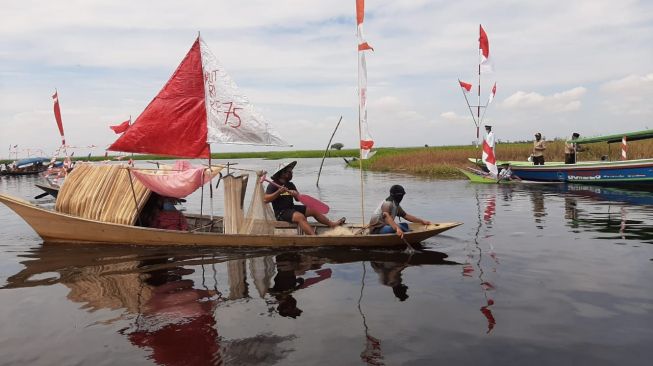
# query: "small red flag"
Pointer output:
{"type": "Point", "coordinates": [466, 86]}
{"type": "Point", "coordinates": [57, 117]}
{"type": "Point", "coordinates": [121, 127]}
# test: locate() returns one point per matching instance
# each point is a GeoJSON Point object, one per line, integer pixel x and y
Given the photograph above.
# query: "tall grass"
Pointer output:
{"type": "Point", "coordinates": [442, 162]}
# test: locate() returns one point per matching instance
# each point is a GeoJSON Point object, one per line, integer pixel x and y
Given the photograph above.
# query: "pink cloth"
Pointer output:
{"type": "Point", "coordinates": [179, 182]}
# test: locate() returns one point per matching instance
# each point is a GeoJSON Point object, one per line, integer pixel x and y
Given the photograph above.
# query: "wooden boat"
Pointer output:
{"type": "Point", "coordinates": [479, 176]}
{"type": "Point", "coordinates": [48, 190]}
{"type": "Point", "coordinates": [55, 227]}
{"type": "Point", "coordinates": [198, 106]}
{"type": "Point", "coordinates": [26, 166]}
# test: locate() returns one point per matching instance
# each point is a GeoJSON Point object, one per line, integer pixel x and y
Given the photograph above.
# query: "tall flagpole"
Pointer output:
{"type": "Point", "coordinates": [360, 138]}
{"type": "Point", "coordinates": [478, 106]}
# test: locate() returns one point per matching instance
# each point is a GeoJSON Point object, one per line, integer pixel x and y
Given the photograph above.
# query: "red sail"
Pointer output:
{"type": "Point", "coordinates": [174, 123]}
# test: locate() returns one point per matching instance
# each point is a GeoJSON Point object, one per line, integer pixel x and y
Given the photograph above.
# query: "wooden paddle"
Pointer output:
{"type": "Point", "coordinates": [310, 202]}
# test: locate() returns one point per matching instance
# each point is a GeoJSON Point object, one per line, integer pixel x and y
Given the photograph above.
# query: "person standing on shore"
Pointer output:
{"type": "Point", "coordinates": [538, 150]}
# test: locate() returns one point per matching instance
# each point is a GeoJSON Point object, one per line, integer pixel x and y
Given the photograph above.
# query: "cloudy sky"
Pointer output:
{"type": "Point", "coordinates": [560, 66]}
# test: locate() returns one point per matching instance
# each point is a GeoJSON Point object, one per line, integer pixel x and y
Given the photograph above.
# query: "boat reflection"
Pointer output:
{"type": "Point", "coordinates": [610, 212]}
{"type": "Point", "coordinates": [170, 299]}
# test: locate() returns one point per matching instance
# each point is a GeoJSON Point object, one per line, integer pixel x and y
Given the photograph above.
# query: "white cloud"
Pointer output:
{"type": "Point", "coordinates": [630, 95]}
{"type": "Point", "coordinates": [296, 60]}
{"type": "Point", "coordinates": [454, 117]}
{"type": "Point", "coordinates": [565, 101]}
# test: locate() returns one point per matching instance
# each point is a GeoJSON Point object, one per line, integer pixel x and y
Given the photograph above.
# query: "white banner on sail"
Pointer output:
{"type": "Point", "coordinates": [231, 118]}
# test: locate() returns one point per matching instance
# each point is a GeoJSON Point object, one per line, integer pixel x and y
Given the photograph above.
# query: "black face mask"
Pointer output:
{"type": "Point", "coordinates": [396, 197]}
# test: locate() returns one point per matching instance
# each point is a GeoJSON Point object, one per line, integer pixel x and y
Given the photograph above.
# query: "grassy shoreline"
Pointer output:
{"type": "Point", "coordinates": [437, 161]}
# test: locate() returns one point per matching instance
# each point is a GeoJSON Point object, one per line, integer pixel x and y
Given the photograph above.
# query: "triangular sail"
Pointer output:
{"type": "Point", "coordinates": [199, 105]}
{"type": "Point", "coordinates": [174, 123]}
{"type": "Point", "coordinates": [232, 119]}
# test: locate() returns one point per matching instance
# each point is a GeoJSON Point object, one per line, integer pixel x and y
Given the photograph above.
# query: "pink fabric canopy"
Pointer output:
{"type": "Point", "coordinates": [178, 182]}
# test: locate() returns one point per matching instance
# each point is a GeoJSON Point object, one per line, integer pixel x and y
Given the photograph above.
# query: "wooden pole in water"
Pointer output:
{"type": "Point", "coordinates": [325, 152]}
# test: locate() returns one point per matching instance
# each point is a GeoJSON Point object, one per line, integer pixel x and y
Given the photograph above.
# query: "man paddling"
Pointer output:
{"type": "Point", "coordinates": [285, 209]}
{"type": "Point", "coordinates": [383, 219]}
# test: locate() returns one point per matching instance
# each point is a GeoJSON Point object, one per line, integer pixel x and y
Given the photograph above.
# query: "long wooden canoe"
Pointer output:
{"type": "Point", "coordinates": [56, 227]}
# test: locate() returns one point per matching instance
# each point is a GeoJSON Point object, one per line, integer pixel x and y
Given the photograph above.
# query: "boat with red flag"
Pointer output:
{"type": "Point", "coordinates": [120, 204]}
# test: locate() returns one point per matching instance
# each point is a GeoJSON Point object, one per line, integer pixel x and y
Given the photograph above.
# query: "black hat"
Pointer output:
{"type": "Point", "coordinates": [488, 126]}
{"type": "Point", "coordinates": [397, 190]}
{"type": "Point", "coordinates": [289, 166]}
{"type": "Point", "coordinates": [575, 134]}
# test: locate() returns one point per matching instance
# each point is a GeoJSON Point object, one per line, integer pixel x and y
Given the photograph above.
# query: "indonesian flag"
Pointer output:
{"type": "Point", "coordinates": [484, 50]}
{"type": "Point", "coordinates": [492, 94]}
{"type": "Point", "coordinates": [57, 116]}
{"type": "Point", "coordinates": [366, 140]}
{"type": "Point", "coordinates": [489, 159]}
{"type": "Point", "coordinates": [624, 148]}
{"type": "Point", "coordinates": [120, 128]}
{"type": "Point", "coordinates": [360, 15]}
{"type": "Point", "coordinates": [466, 86]}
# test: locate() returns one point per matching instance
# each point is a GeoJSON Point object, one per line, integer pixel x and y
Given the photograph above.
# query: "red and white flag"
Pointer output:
{"type": "Point", "coordinates": [57, 116]}
{"type": "Point", "coordinates": [489, 159]}
{"type": "Point", "coordinates": [624, 148]}
{"type": "Point", "coordinates": [360, 16]}
{"type": "Point", "coordinates": [492, 94]}
{"type": "Point", "coordinates": [466, 86]}
{"type": "Point", "coordinates": [484, 51]}
{"type": "Point", "coordinates": [122, 127]}
{"type": "Point", "coordinates": [366, 140]}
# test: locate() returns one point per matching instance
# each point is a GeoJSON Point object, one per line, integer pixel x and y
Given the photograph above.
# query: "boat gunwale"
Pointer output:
{"type": "Point", "coordinates": [328, 240]}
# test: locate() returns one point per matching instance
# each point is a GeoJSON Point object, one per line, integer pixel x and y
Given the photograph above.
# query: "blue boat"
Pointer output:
{"type": "Point", "coordinates": [637, 172]}
{"type": "Point", "coordinates": [26, 166]}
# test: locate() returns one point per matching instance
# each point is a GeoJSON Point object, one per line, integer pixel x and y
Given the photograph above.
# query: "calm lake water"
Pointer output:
{"type": "Point", "coordinates": [537, 275]}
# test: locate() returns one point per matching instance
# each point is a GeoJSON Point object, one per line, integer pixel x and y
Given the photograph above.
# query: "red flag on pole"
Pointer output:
{"type": "Point", "coordinates": [57, 116]}
{"type": "Point", "coordinates": [492, 94]}
{"type": "Point", "coordinates": [466, 86]}
{"type": "Point", "coordinates": [120, 128]}
{"type": "Point", "coordinates": [366, 140]}
{"type": "Point", "coordinates": [484, 50]}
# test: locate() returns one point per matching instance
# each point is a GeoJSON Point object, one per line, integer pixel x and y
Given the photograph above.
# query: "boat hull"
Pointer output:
{"type": "Point", "coordinates": [56, 227]}
{"type": "Point", "coordinates": [628, 172]}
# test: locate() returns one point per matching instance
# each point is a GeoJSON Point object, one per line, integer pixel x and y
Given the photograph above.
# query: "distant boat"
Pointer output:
{"type": "Point", "coordinates": [26, 166]}
{"type": "Point", "coordinates": [637, 172]}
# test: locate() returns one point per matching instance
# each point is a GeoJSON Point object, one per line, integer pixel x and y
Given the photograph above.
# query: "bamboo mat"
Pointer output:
{"type": "Point", "coordinates": [102, 193]}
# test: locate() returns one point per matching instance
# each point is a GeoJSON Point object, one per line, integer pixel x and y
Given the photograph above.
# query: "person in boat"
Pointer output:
{"type": "Point", "coordinates": [160, 213]}
{"type": "Point", "coordinates": [285, 209]}
{"type": "Point", "coordinates": [538, 150]}
{"type": "Point", "coordinates": [571, 148]}
{"type": "Point", "coordinates": [383, 219]}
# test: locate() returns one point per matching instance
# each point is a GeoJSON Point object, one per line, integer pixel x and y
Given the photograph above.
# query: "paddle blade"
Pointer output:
{"type": "Point", "coordinates": [314, 204]}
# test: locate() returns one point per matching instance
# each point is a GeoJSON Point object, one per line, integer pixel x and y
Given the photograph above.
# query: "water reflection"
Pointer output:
{"type": "Point", "coordinates": [169, 300]}
{"type": "Point", "coordinates": [600, 210]}
{"type": "Point", "coordinates": [481, 256]}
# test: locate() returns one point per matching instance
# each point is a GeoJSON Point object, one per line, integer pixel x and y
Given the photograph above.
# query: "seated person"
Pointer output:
{"type": "Point", "coordinates": [160, 213]}
{"type": "Point", "coordinates": [383, 219]}
{"type": "Point", "coordinates": [283, 202]}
